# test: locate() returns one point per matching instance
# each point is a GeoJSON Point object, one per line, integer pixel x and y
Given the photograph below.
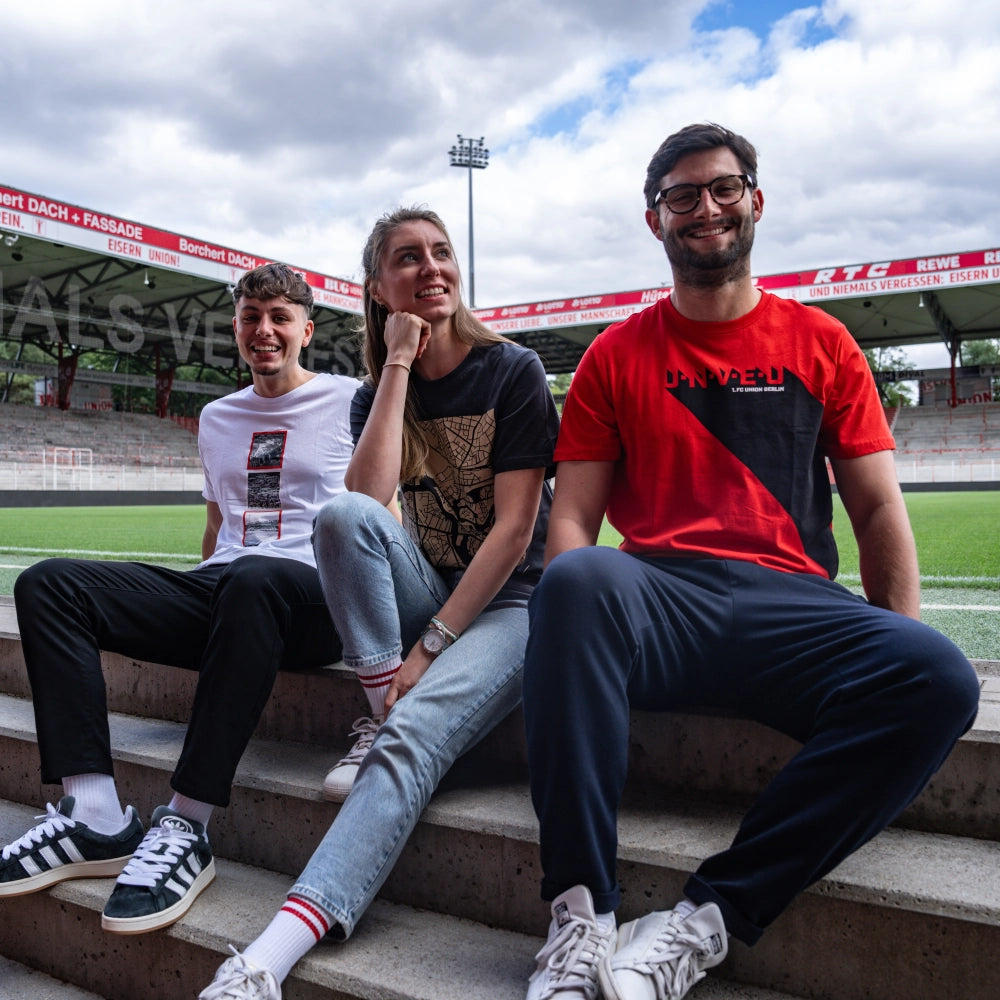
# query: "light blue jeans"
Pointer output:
{"type": "Point", "coordinates": [381, 592]}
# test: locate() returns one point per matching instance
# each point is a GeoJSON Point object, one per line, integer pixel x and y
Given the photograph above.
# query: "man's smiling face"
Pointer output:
{"type": "Point", "coordinates": [270, 335]}
{"type": "Point", "coordinates": [711, 244]}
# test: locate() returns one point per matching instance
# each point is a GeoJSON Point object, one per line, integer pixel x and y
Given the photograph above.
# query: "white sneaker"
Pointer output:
{"type": "Point", "coordinates": [340, 780]}
{"type": "Point", "coordinates": [567, 965]}
{"type": "Point", "coordinates": [237, 979]}
{"type": "Point", "coordinates": [662, 955]}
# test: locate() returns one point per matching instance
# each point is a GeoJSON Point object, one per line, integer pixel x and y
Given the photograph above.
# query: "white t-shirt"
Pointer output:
{"type": "Point", "coordinates": [271, 463]}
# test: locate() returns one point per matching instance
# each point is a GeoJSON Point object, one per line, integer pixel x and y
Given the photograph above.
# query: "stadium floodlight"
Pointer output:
{"type": "Point", "coordinates": [472, 154]}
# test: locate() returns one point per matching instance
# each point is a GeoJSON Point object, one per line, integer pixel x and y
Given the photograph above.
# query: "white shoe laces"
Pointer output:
{"type": "Point", "coordinates": [365, 730]}
{"type": "Point", "coordinates": [55, 822]}
{"type": "Point", "coordinates": [672, 961]}
{"type": "Point", "coordinates": [572, 957]}
{"type": "Point", "coordinates": [237, 979]}
{"type": "Point", "coordinates": [155, 856]}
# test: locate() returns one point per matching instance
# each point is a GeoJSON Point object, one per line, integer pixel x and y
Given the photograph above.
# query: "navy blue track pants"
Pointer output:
{"type": "Point", "coordinates": [877, 700]}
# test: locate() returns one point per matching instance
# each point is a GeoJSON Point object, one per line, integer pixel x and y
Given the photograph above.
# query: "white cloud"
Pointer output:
{"type": "Point", "coordinates": [285, 131]}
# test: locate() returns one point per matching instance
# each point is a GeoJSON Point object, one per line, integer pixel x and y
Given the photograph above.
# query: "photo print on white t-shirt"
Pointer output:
{"type": "Point", "coordinates": [262, 519]}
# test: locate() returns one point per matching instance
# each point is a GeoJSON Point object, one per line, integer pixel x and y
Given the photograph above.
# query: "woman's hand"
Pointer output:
{"type": "Point", "coordinates": [412, 669]}
{"type": "Point", "coordinates": [406, 338]}
{"type": "Point", "coordinates": [374, 466]}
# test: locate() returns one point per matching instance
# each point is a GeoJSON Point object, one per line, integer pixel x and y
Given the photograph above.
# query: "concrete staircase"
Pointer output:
{"type": "Point", "coordinates": [914, 915]}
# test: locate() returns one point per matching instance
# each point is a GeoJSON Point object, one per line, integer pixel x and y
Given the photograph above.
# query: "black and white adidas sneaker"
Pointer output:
{"type": "Point", "coordinates": [61, 848]}
{"type": "Point", "coordinates": [171, 866]}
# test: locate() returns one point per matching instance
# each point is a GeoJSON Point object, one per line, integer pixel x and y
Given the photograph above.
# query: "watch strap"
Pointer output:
{"type": "Point", "coordinates": [449, 635]}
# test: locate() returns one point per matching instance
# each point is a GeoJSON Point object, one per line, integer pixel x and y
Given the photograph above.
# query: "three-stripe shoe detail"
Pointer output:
{"type": "Point", "coordinates": [61, 848]}
{"type": "Point", "coordinates": [171, 867]}
{"type": "Point", "coordinates": [67, 854]}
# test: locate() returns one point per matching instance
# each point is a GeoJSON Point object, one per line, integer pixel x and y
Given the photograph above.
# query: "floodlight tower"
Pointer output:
{"type": "Point", "coordinates": [470, 153]}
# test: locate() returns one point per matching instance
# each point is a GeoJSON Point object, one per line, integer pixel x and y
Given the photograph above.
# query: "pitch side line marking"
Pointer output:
{"type": "Point", "coordinates": [176, 556]}
{"type": "Point", "coordinates": [960, 607]}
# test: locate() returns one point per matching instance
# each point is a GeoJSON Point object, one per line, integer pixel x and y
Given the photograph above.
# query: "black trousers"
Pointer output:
{"type": "Point", "coordinates": [237, 624]}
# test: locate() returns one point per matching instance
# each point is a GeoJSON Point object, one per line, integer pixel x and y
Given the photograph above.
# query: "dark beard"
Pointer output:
{"type": "Point", "coordinates": [715, 268]}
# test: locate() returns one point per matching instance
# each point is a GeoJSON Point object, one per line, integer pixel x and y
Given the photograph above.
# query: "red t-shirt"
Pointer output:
{"type": "Point", "coordinates": [720, 430]}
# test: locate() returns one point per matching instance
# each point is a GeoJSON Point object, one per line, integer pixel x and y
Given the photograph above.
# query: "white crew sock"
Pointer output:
{"type": "Point", "coordinates": [375, 679]}
{"type": "Point", "coordinates": [200, 812]}
{"type": "Point", "coordinates": [97, 802]}
{"type": "Point", "coordinates": [298, 925]}
{"type": "Point", "coordinates": [606, 921]}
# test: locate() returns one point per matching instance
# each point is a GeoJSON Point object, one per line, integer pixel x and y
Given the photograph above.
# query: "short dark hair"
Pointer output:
{"type": "Point", "coordinates": [694, 139]}
{"type": "Point", "coordinates": [274, 281]}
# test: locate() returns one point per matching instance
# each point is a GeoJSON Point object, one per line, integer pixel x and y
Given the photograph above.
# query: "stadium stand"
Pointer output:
{"type": "Point", "coordinates": [972, 429]}
{"type": "Point", "coordinates": [945, 444]}
{"type": "Point", "coordinates": [113, 437]}
{"type": "Point", "coordinates": [142, 452]}
{"type": "Point", "coordinates": [45, 448]}
{"type": "Point", "coordinates": [916, 913]}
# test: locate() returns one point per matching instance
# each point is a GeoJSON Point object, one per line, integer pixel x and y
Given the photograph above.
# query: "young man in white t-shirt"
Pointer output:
{"type": "Point", "coordinates": [273, 454]}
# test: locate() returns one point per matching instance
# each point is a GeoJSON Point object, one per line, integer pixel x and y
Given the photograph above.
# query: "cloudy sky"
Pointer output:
{"type": "Point", "coordinates": [285, 129]}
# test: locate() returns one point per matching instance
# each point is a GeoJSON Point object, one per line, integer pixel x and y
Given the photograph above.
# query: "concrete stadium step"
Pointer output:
{"type": "Point", "coordinates": [18, 982]}
{"type": "Point", "coordinates": [315, 706]}
{"type": "Point", "coordinates": [397, 953]}
{"type": "Point", "coordinates": [710, 753]}
{"type": "Point", "coordinates": [908, 908]}
{"type": "Point", "coordinates": [912, 914]}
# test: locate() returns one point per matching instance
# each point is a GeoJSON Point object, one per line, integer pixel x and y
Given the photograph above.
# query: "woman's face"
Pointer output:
{"type": "Point", "coordinates": [418, 273]}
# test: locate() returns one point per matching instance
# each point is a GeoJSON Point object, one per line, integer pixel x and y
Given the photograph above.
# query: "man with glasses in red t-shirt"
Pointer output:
{"type": "Point", "coordinates": [702, 426]}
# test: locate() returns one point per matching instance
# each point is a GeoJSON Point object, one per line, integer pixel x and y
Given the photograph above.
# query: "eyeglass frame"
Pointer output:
{"type": "Point", "coordinates": [746, 179]}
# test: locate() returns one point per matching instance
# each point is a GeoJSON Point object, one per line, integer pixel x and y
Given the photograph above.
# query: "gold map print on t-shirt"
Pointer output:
{"type": "Point", "coordinates": [451, 508]}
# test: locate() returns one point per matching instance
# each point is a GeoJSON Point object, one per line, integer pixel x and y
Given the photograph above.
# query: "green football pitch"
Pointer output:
{"type": "Point", "coordinates": [957, 539]}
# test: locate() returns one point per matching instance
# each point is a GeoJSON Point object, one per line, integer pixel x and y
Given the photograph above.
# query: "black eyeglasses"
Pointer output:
{"type": "Point", "coordinates": [684, 198]}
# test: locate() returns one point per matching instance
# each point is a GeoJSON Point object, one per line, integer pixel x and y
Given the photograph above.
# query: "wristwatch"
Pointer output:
{"type": "Point", "coordinates": [437, 637]}
{"type": "Point", "coordinates": [434, 640]}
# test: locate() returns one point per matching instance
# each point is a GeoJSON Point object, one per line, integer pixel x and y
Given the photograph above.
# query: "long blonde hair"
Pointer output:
{"type": "Point", "coordinates": [468, 329]}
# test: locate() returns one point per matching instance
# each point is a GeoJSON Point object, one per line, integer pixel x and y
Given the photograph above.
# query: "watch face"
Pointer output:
{"type": "Point", "coordinates": [433, 640]}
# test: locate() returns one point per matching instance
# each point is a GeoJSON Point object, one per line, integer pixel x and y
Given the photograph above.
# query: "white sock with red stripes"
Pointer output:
{"type": "Point", "coordinates": [375, 679]}
{"type": "Point", "coordinates": [299, 924]}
